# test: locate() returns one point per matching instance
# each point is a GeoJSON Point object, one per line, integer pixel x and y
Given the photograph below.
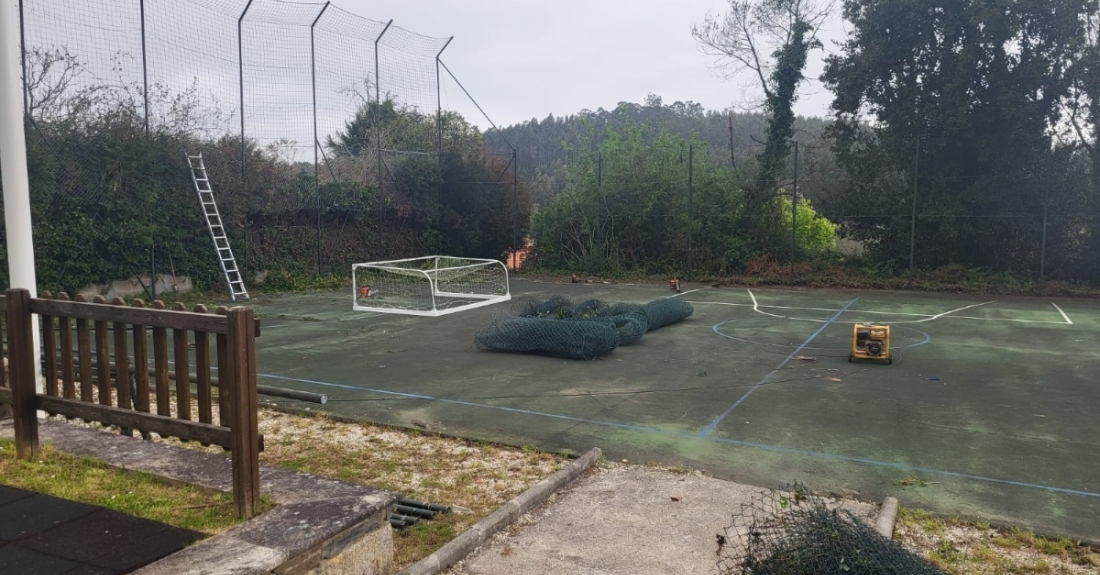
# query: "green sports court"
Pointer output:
{"type": "Point", "coordinates": [988, 411]}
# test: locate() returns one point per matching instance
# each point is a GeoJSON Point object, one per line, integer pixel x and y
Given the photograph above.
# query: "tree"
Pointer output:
{"type": "Point", "coordinates": [814, 234]}
{"type": "Point", "coordinates": [769, 39]}
{"type": "Point", "coordinates": [461, 202]}
{"type": "Point", "coordinates": [624, 208]}
{"type": "Point", "coordinates": [1082, 107]}
{"type": "Point", "coordinates": [977, 87]}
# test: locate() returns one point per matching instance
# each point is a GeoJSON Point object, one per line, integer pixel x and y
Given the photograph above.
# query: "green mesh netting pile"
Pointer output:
{"type": "Point", "coordinates": [588, 329]}
{"type": "Point", "coordinates": [796, 533]}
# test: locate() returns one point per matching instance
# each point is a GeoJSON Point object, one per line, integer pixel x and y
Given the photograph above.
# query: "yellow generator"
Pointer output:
{"type": "Point", "coordinates": [870, 342]}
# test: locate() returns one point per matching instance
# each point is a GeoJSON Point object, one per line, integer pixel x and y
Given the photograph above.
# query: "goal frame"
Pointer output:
{"type": "Point", "coordinates": [431, 277]}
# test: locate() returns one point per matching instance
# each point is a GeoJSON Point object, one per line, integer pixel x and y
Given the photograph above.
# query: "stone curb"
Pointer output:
{"type": "Point", "coordinates": [887, 516]}
{"type": "Point", "coordinates": [459, 547]}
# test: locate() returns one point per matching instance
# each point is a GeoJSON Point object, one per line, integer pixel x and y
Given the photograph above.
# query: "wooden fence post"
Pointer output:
{"type": "Point", "coordinates": [21, 369]}
{"type": "Point", "coordinates": [240, 378]}
{"type": "Point", "coordinates": [182, 357]}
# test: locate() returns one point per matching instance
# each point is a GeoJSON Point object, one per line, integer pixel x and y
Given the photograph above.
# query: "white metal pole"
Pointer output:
{"type": "Point", "coordinates": [13, 164]}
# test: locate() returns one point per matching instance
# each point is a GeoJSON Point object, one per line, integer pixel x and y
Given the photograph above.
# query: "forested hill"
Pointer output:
{"type": "Point", "coordinates": [548, 144]}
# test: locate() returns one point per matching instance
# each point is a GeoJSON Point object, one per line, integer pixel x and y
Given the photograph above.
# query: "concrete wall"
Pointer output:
{"type": "Point", "coordinates": [132, 287]}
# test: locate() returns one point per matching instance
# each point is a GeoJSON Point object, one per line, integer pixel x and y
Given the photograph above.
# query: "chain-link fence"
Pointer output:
{"type": "Point", "coordinates": [323, 133]}
{"type": "Point", "coordinates": [659, 204]}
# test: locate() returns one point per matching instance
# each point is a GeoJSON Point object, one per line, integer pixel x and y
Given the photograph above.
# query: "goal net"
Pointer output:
{"type": "Point", "coordinates": [430, 285]}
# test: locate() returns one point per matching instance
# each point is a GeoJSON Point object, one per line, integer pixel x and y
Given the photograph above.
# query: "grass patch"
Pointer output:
{"type": "Point", "coordinates": [88, 480]}
{"type": "Point", "coordinates": [474, 478]}
{"type": "Point", "coordinates": [974, 547]}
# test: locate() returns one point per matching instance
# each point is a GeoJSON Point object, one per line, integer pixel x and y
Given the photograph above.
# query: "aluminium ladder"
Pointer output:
{"type": "Point", "coordinates": [217, 230]}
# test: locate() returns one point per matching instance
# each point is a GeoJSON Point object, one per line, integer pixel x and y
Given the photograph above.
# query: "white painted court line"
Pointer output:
{"type": "Point", "coordinates": [1012, 319]}
{"type": "Point", "coordinates": [865, 311]}
{"type": "Point", "coordinates": [1069, 321]}
{"type": "Point", "coordinates": [936, 317]}
{"type": "Point", "coordinates": [685, 293]}
{"type": "Point", "coordinates": [826, 309]}
{"type": "Point", "coordinates": [756, 306]}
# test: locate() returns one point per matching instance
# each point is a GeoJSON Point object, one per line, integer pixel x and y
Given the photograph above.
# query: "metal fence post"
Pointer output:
{"type": "Point", "coordinates": [240, 72]}
{"type": "Point", "coordinates": [439, 100]}
{"type": "Point", "coordinates": [378, 135]}
{"type": "Point", "coordinates": [691, 205]}
{"type": "Point", "coordinates": [23, 60]}
{"type": "Point", "coordinates": [597, 237]}
{"type": "Point", "coordinates": [515, 199]}
{"type": "Point", "coordinates": [913, 217]}
{"type": "Point", "coordinates": [1043, 245]}
{"type": "Point", "coordinates": [144, 67]}
{"type": "Point", "coordinates": [316, 139]}
{"type": "Point", "coordinates": [794, 211]}
{"type": "Point", "coordinates": [733, 160]}
{"type": "Point", "coordinates": [439, 111]}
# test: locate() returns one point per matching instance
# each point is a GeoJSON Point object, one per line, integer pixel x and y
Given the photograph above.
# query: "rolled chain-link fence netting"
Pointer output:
{"type": "Point", "coordinates": [586, 329]}
{"type": "Point", "coordinates": [795, 532]}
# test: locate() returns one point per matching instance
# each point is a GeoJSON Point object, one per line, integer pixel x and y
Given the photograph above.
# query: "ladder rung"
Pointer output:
{"type": "Point", "coordinates": [217, 229]}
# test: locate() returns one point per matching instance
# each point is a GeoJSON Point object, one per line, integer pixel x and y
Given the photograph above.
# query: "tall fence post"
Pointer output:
{"type": "Point", "coordinates": [240, 376]}
{"type": "Point", "coordinates": [733, 160]}
{"type": "Point", "coordinates": [21, 360]}
{"type": "Point", "coordinates": [515, 199]}
{"type": "Point", "coordinates": [1043, 245]}
{"type": "Point", "coordinates": [439, 101]}
{"type": "Point", "coordinates": [601, 209]}
{"type": "Point", "coordinates": [23, 60]}
{"type": "Point", "coordinates": [691, 204]}
{"type": "Point", "coordinates": [144, 68]}
{"type": "Point", "coordinates": [913, 217]}
{"type": "Point", "coordinates": [240, 72]}
{"type": "Point", "coordinates": [316, 138]}
{"type": "Point", "coordinates": [794, 212]}
{"type": "Point", "coordinates": [378, 134]}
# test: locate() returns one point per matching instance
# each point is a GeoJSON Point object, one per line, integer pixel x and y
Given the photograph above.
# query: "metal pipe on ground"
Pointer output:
{"type": "Point", "coordinates": [422, 505]}
{"type": "Point", "coordinates": [415, 512]}
{"type": "Point", "coordinates": [404, 520]}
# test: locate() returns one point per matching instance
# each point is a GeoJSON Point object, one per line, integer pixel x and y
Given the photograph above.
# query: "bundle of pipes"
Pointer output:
{"type": "Point", "coordinates": [409, 512]}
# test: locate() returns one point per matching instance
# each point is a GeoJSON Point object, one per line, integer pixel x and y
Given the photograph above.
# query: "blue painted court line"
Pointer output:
{"type": "Point", "coordinates": [709, 428]}
{"type": "Point", "coordinates": [466, 403]}
{"type": "Point", "coordinates": [749, 444]}
{"type": "Point", "coordinates": [901, 466]}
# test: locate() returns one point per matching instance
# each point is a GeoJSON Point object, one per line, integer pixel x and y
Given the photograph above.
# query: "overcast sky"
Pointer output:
{"type": "Point", "coordinates": [523, 59]}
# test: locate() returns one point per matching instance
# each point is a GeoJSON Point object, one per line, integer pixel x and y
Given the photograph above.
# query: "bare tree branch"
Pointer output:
{"type": "Point", "coordinates": [751, 31]}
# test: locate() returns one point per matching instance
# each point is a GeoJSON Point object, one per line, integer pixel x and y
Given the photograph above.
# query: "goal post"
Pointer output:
{"type": "Point", "coordinates": [429, 285]}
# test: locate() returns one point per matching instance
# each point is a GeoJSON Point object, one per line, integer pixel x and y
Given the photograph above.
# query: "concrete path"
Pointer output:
{"type": "Point", "coordinates": [622, 519]}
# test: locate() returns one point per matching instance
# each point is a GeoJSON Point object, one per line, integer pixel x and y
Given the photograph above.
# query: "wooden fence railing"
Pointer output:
{"type": "Point", "coordinates": [106, 377]}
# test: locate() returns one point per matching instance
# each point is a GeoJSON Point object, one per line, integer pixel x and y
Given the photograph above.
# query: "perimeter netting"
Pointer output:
{"type": "Point", "coordinates": [587, 329]}
{"type": "Point", "coordinates": [794, 532]}
{"type": "Point", "coordinates": [431, 285]}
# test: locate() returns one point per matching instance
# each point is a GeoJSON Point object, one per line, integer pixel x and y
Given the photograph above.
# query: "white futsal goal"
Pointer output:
{"type": "Point", "coordinates": [430, 285]}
